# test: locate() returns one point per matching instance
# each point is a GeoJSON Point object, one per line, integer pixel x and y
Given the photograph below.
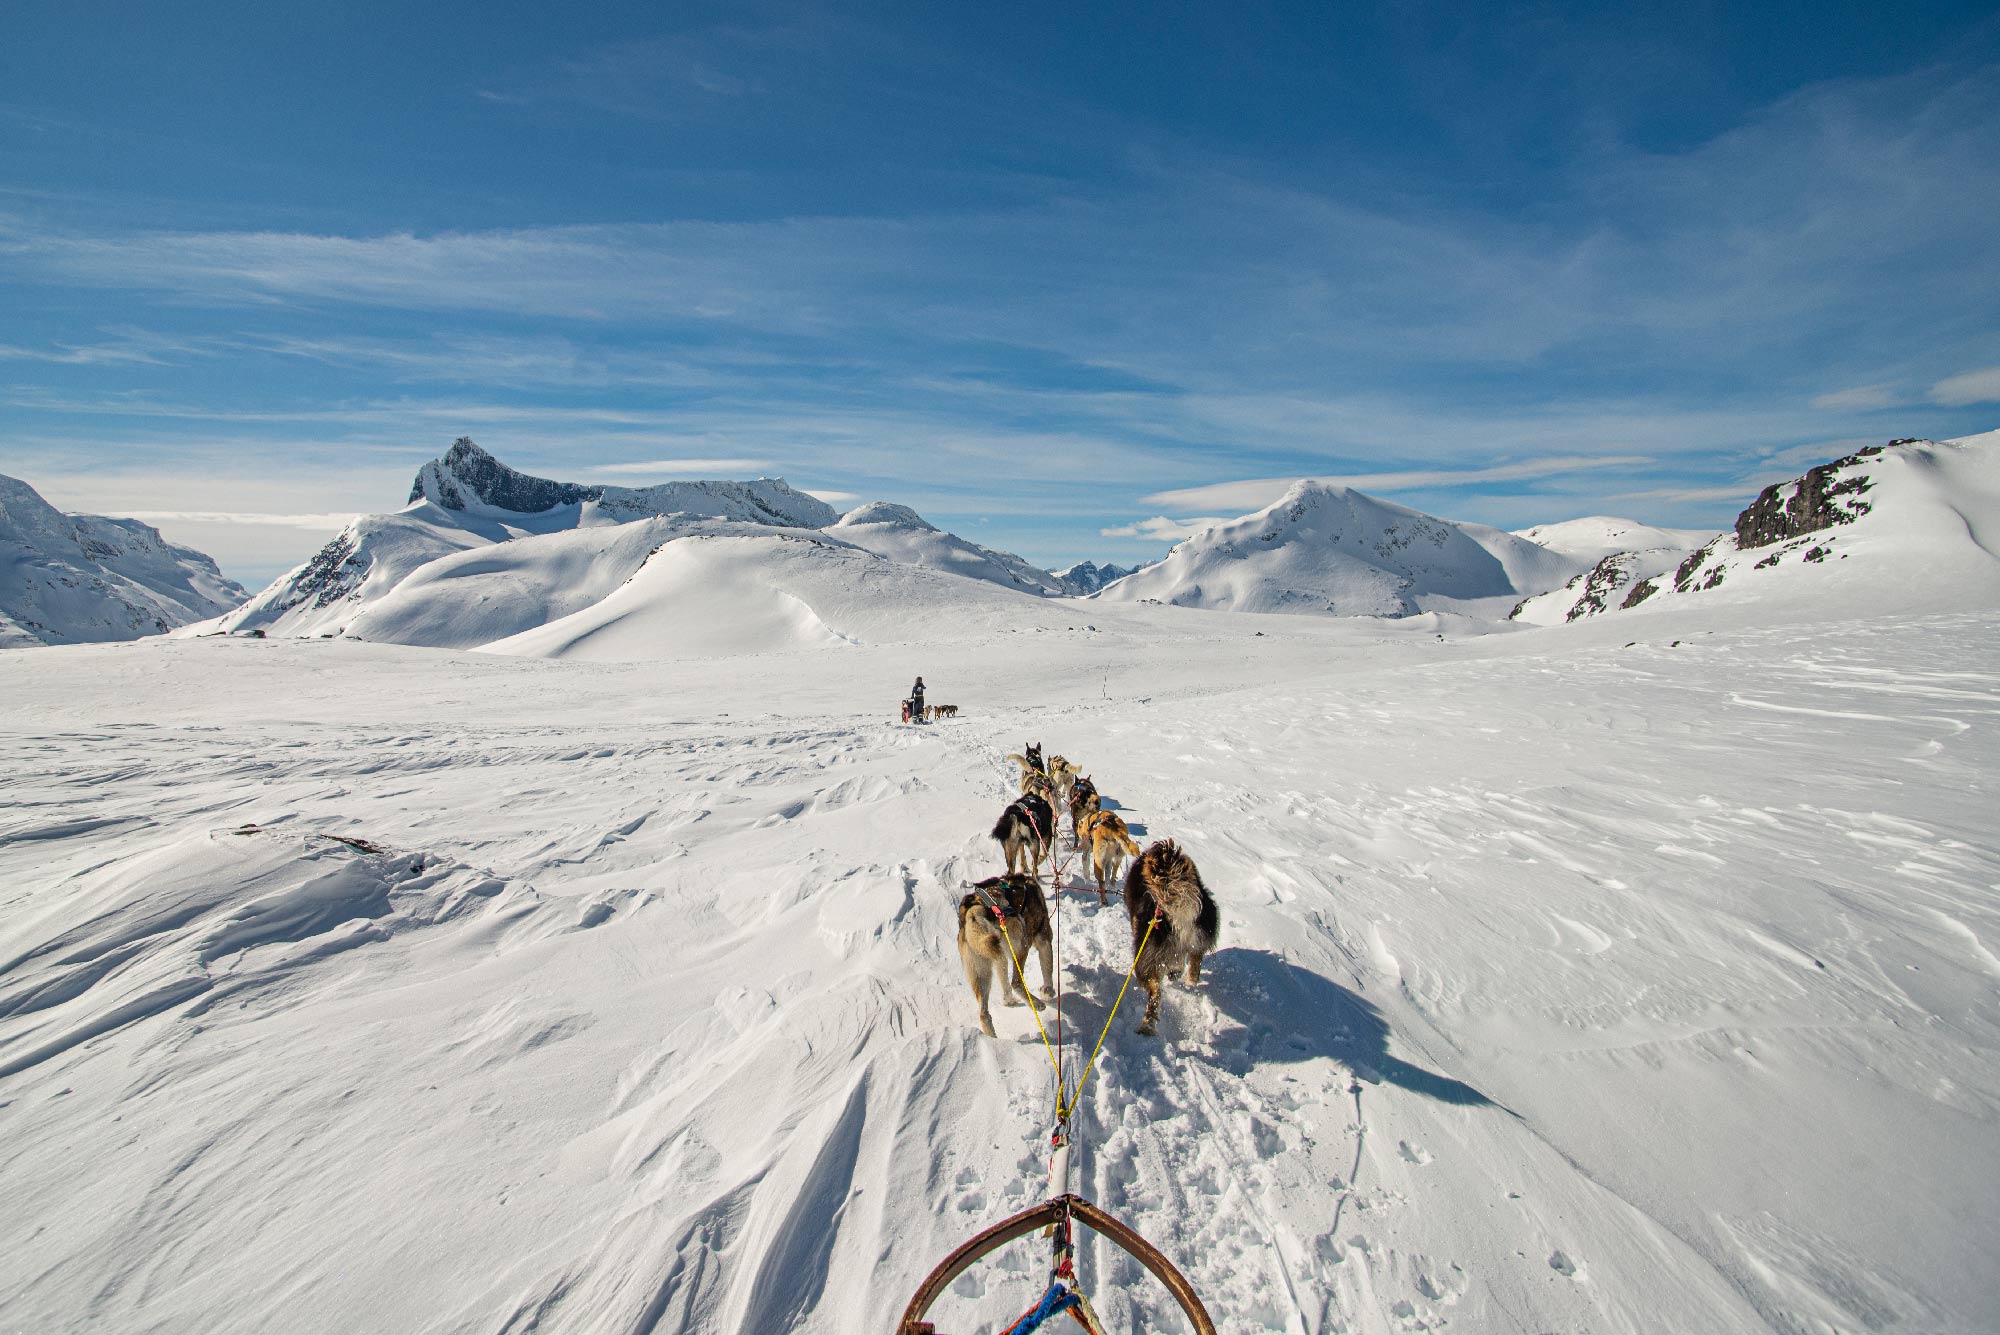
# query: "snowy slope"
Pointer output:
{"type": "Point", "coordinates": [632, 1001]}
{"type": "Point", "coordinates": [902, 535]}
{"type": "Point", "coordinates": [69, 579]}
{"type": "Point", "coordinates": [1332, 550]}
{"type": "Point", "coordinates": [1911, 525]}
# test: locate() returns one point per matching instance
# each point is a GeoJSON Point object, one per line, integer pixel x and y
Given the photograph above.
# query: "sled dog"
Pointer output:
{"type": "Point", "coordinates": [1164, 891]}
{"type": "Point", "coordinates": [1062, 775]}
{"type": "Point", "coordinates": [1031, 761]}
{"type": "Point", "coordinates": [1039, 785]}
{"type": "Point", "coordinates": [947, 711]}
{"type": "Point", "coordinates": [1026, 831]}
{"type": "Point", "coordinates": [1083, 801]}
{"type": "Point", "coordinates": [1110, 844]}
{"type": "Point", "coordinates": [986, 951]}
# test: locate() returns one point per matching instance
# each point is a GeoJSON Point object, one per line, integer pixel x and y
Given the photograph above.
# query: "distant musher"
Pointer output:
{"type": "Point", "coordinates": [917, 700]}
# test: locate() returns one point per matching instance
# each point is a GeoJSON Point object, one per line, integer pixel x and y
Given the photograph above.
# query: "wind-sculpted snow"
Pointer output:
{"type": "Point", "coordinates": [73, 579]}
{"type": "Point", "coordinates": [1566, 983]}
{"type": "Point", "coordinates": [1329, 550]}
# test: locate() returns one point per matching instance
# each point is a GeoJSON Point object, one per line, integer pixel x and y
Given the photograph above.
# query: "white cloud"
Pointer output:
{"type": "Point", "coordinates": [1972, 387]}
{"type": "Point", "coordinates": [1256, 493]}
{"type": "Point", "coordinates": [1859, 399]}
{"type": "Point", "coordinates": [1678, 495]}
{"type": "Point", "coordinates": [1162, 529]}
{"type": "Point", "coordinates": [834, 498]}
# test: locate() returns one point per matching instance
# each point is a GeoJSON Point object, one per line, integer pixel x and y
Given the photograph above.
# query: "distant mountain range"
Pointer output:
{"type": "Point", "coordinates": [73, 578]}
{"type": "Point", "coordinates": [484, 556]}
{"type": "Point", "coordinates": [1088, 577]}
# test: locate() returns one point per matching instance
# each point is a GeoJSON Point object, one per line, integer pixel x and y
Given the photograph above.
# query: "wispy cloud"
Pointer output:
{"type": "Point", "coordinates": [713, 468]}
{"type": "Point", "coordinates": [1862, 398]}
{"type": "Point", "coordinates": [1256, 493]}
{"type": "Point", "coordinates": [313, 522]}
{"type": "Point", "coordinates": [1161, 529]}
{"type": "Point", "coordinates": [1972, 387]}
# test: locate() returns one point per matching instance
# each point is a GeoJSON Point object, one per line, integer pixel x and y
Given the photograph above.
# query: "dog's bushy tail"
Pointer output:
{"type": "Point", "coordinates": [1176, 885]}
{"type": "Point", "coordinates": [1127, 842]}
{"type": "Point", "coordinates": [1003, 826]}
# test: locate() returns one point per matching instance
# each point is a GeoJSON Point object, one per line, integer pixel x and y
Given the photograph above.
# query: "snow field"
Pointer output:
{"type": "Point", "coordinates": [1564, 985]}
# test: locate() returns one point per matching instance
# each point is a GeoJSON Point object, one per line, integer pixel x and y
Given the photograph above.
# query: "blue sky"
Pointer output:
{"type": "Point", "coordinates": [1061, 277]}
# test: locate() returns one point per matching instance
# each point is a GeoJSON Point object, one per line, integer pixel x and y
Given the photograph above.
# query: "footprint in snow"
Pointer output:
{"type": "Point", "coordinates": [1415, 1154]}
{"type": "Point", "coordinates": [1565, 1267]}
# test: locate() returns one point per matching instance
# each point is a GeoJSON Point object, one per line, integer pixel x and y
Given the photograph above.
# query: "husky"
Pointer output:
{"type": "Point", "coordinates": [1039, 785]}
{"type": "Point", "coordinates": [1163, 892]}
{"type": "Point", "coordinates": [1026, 831]}
{"type": "Point", "coordinates": [1083, 802]}
{"type": "Point", "coordinates": [1031, 761]}
{"type": "Point", "coordinates": [1014, 903]}
{"type": "Point", "coordinates": [946, 711]}
{"type": "Point", "coordinates": [1110, 844]}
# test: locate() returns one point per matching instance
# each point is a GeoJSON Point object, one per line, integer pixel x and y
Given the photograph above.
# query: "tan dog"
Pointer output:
{"type": "Point", "coordinates": [1062, 777]}
{"type": "Point", "coordinates": [1164, 896]}
{"type": "Point", "coordinates": [1111, 843]}
{"type": "Point", "coordinates": [997, 923]}
{"type": "Point", "coordinates": [947, 711]}
{"type": "Point", "coordinates": [1083, 803]}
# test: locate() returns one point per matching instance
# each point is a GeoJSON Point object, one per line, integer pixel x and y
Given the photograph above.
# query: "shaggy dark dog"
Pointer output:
{"type": "Point", "coordinates": [1164, 893]}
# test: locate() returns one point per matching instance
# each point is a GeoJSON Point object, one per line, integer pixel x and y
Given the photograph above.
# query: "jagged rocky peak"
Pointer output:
{"type": "Point", "coordinates": [886, 512]}
{"type": "Point", "coordinates": [1089, 577]}
{"type": "Point", "coordinates": [468, 475]}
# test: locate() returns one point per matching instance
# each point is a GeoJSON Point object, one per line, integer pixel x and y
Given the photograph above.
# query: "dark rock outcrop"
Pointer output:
{"type": "Point", "coordinates": [1818, 500]}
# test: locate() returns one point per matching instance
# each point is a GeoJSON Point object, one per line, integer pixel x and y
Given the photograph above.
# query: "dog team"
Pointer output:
{"type": "Point", "coordinates": [1174, 919]}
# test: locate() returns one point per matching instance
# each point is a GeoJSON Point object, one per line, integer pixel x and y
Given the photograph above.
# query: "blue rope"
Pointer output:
{"type": "Point", "coordinates": [1057, 1300]}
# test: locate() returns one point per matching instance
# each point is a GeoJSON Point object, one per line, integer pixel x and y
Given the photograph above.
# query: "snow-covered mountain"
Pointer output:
{"type": "Point", "coordinates": [1914, 524]}
{"type": "Point", "coordinates": [75, 578]}
{"type": "Point", "coordinates": [1328, 549]}
{"type": "Point", "coordinates": [1598, 536]}
{"type": "Point", "coordinates": [485, 556]}
{"type": "Point", "coordinates": [1088, 577]}
{"type": "Point", "coordinates": [905, 537]}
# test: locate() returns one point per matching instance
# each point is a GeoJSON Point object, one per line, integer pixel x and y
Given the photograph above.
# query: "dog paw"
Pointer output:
{"type": "Point", "coordinates": [986, 1027]}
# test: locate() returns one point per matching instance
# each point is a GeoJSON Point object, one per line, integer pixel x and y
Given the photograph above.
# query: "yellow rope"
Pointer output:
{"type": "Point", "coordinates": [1033, 1009]}
{"type": "Point", "coordinates": [1063, 1111]}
